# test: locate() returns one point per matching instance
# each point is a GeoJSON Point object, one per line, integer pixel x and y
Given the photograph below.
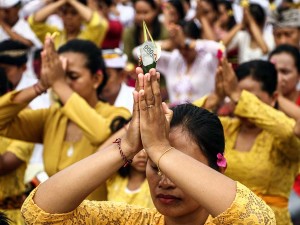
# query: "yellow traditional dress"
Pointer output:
{"type": "Point", "coordinates": [12, 185]}
{"type": "Point", "coordinates": [94, 30]}
{"type": "Point", "coordinates": [48, 126]}
{"type": "Point", "coordinates": [117, 191]}
{"type": "Point", "coordinates": [270, 167]}
{"type": "Point", "coordinates": [246, 208]}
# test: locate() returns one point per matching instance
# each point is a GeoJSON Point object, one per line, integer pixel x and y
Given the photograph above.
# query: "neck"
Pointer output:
{"type": "Point", "coordinates": [135, 179]}
{"type": "Point", "coordinates": [198, 217]}
{"type": "Point", "coordinates": [249, 128]}
{"type": "Point", "coordinates": [93, 101]}
{"type": "Point", "coordinates": [292, 95]}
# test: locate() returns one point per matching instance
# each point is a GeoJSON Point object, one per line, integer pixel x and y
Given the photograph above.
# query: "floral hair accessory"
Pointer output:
{"type": "Point", "coordinates": [221, 161]}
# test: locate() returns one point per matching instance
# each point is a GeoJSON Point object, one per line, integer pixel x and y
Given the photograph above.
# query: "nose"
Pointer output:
{"type": "Point", "coordinates": [165, 183]}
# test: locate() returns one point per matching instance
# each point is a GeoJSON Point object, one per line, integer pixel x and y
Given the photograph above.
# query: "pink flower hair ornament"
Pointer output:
{"type": "Point", "coordinates": [221, 161]}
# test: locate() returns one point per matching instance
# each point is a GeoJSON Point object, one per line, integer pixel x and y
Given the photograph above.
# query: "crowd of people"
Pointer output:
{"type": "Point", "coordinates": [88, 136]}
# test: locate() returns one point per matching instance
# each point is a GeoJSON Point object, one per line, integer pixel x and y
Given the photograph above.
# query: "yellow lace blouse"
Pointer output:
{"type": "Point", "coordinates": [117, 191]}
{"type": "Point", "coordinates": [270, 167]}
{"type": "Point", "coordinates": [247, 208]}
{"type": "Point", "coordinates": [12, 184]}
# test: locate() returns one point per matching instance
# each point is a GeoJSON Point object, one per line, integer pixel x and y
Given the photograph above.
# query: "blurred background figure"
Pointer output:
{"type": "Point", "coordinates": [78, 19]}
{"type": "Point", "coordinates": [116, 91]}
{"type": "Point", "coordinates": [130, 184]}
{"type": "Point", "coordinates": [14, 27]}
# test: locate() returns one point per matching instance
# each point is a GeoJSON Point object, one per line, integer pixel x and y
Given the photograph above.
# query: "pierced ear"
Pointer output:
{"type": "Point", "coordinates": [98, 78]}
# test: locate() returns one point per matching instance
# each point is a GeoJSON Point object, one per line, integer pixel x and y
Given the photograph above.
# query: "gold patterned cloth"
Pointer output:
{"type": "Point", "coordinates": [246, 208]}
{"type": "Point", "coordinates": [12, 184]}
{"type": "Point", "coordinates": [271, 165]}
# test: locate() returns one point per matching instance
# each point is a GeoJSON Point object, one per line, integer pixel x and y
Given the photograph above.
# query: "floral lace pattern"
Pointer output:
{"type": "Point", "coordinates": [247, 208]}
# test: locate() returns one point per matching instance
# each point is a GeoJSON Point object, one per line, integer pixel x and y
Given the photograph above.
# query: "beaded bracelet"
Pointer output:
{"type": "Point", "coordinates": [126, 161]}
{"type": "Point", "coordinates": [159, 172]}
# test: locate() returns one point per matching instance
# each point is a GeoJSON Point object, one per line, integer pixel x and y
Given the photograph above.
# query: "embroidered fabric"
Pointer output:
{"type": "Point", "coordinates": [247, 208]}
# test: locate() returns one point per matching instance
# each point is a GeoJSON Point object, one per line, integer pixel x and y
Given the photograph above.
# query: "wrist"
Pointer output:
{"type": "Point", "coordinates": [39, 89]}
{"type": "Point", "coordinates": [235, 96]}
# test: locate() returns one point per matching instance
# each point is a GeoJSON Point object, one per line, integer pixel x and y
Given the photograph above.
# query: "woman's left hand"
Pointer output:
{"type": "Point", "coordinates": [155, 116]}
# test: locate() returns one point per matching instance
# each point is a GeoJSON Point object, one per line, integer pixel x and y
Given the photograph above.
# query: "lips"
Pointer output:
{"type": "Point", "coordinates": [167, 199]}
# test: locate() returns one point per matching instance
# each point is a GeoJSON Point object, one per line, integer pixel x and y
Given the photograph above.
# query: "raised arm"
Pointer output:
{"type": "Point", "coordinates": [84, 11]}
{"type": "Point", "coordinates": [43, 13]}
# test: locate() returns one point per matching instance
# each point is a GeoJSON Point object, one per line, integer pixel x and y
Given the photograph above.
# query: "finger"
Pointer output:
{"type": "Point", "coordinates": [64, 62]}
{"type": "Point", "coordinates": [138, 70]}
{"type": "Point", "coordinates": [168, 112]}
{"type": "Point", "coordinates": [148, 90]}
{"type": "Point", "coordinates": [141, 81]}
{"type": "Point", "coordinates": [142, 104]}
{"type": "Point", "coordinates": [155, 88]}
{"type": "Point", "coordinates": [135, 111]}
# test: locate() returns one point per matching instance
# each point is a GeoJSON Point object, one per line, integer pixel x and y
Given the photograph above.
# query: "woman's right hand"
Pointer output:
{"type": "Point", "coordinates": [132, 139]}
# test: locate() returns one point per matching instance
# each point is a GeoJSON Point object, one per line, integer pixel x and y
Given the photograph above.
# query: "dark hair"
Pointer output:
{"type": "Point", "coordinates": [5, 84]}
{"type": "Point", "coordinates": [203, 127]}
{"type": "Point", "coordinates": [214, 4]}
{"type": "Point", "coordinates": [156, 25]}
{"type": "Point", "coordinates": [258, 14]}
{"type": "Point", "coordinates": [179, 8]}
{"type": "Point", "coordinates": [261, 71]}
{"type": "Point", "coordinates": [191, 29]}
{"type": "Point", "coordinates": [228, 6]}
{"type": "Point", "coordinates": [4, 219]}
{"type": "Point", "coordinates": [93, 54]}
{"type": "Point", "coordinates": [289, 49]}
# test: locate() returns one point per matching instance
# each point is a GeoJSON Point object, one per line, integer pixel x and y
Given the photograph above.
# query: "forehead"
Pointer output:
{"type": "Point", "coordinates": [250, 85]}
{"type": "Point", "coordinates": [278, 30]}
{"type": "Point", "coordinates": [75, 59]}
{"type": "Point", "coordinates": [283, 59]}
{"type": "Point", "coordinates": [181, 140]}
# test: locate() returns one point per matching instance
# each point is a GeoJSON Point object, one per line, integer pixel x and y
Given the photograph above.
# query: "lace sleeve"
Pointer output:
{"type": "Point", "coordinates": [247, 208]}
{"type": "Point", "coordinates": [92, 212]}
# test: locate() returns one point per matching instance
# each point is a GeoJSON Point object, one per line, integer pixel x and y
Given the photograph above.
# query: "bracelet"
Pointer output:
{"type": "Point", "coordinates": [38, 90]}
{"type": "Point", "coordinates": [159, 171]}
{"type": "Point", "coordinates": [126, 161]}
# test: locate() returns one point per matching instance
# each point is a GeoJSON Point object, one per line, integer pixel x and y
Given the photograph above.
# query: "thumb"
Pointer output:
{"type": "Point", "coordinates": [168, 112]}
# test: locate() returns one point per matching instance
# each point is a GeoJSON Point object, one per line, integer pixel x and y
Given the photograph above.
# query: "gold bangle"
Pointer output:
{"type": "Point", "coordinates": [159, 172]}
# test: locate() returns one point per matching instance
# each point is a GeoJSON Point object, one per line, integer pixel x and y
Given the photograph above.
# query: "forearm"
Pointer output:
{"type": "Point", "coordinates": [257, 34]}
{"type": "Point", "coordinates": [212, 102]}
{"type": "Point", "coordinates": [289, 107]}
{"type": "Point", "coordinates": [208, 32]}
{"type": "Point", "coordinates": [85, 12]}
{"type": "Point", "coordinates": [64, 191]}
{"type": "Point", "coordinates": [42, 14]}
{"type": "Point", "coordinates": [13, 35]}
{"type": "Point", "coordinates": [205, 188]}
{"type": "Point", "coordinates": [228, 38]}
{"type": "Point", "coordinates": [26, 95]}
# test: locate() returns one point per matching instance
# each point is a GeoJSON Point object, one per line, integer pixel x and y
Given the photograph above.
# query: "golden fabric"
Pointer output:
{"type": "Point", "coordinates": [270, 167]}
{"type": "Point", "coordinates": [48, 126]}
{"type": "Point", "coordinates": [94, 30]}
{"type": "Point", "coordinates": [247, 208]}
{"type": "Point", "coordinates": [12, 184]}
{"type": "Point", "coordinates": [117, 191]}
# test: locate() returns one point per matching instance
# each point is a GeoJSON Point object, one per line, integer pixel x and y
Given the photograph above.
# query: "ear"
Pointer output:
{"type": "Point", "coordinates": [98, 78]}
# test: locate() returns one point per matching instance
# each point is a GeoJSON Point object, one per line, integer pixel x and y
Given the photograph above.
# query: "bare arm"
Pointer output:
{"type": "Point", "coordinates": [289, 107]}
{"type": "Point", "coordinates": [13, 35]}
{"type": "Point", "coordinates": [84, 11]}
{"type": "Point", "coordinates": [231, 34]}
{"type": "Point", "coordinates": [42, 14]}
{"type": "Point", "coordinates": [8, 163]}
{"type": "Point", "coordinates": [256, 32]}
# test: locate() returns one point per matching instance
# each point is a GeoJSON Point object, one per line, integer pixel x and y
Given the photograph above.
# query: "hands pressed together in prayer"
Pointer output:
{"type": "Point", "coordinates": [151, 117]}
